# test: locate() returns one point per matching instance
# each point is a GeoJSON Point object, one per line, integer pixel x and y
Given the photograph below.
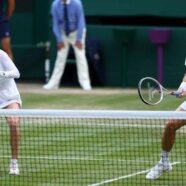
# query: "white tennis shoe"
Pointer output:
{"type": "Point", "coordinates": [50, 86]}
{"type": "Point", "coordinates": [13, 168]}
{"type": "Point", "coordinates": [158, 170]}
{"type": "Point", "coordinates": [87, 88]}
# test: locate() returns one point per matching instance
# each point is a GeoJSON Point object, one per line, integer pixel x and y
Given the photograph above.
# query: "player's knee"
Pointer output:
{"type": "Point", "coordinates": [171, 125]}
{"type": "Point", "coordinates": [13, 122]}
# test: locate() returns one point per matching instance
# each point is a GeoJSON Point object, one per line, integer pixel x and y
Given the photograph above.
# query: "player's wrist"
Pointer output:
{"type": "Point", "coordinates": [182, 86]}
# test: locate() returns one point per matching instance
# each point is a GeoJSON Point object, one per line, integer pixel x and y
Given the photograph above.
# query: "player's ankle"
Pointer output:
{"type": "Point", "coordinates": [164, 156]}
{"type": "Point", "coordinates": [13, 160]}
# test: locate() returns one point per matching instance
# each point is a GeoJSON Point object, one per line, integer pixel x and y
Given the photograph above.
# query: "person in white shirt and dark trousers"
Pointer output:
{"type": "Point", "coordinates": [69, 28]}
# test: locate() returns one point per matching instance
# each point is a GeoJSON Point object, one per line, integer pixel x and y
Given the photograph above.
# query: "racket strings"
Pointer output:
{"type": "Point", "coordinates": [151, 92]}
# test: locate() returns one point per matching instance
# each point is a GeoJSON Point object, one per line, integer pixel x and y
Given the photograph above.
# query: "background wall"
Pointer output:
{"type": "Point", "coordinates": [133, 7]}
{"type": "Point", "coordinates": [125, 63]}
{"type": "Point", "coordinates": [30, 27]}
{"type": "Point", "coordinates": [140, 57]}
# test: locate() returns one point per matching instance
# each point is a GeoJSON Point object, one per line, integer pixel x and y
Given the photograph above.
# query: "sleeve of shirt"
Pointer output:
{"type": "Point", "coordinates": [56, 25]}
{"type": "Point", "coordinates": [9, 69]}
{"type": "Point", "coordinates": [81, 21]}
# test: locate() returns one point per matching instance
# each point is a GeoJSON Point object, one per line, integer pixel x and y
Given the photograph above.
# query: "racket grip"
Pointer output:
{"type": "Point", "coordinates": [175, 93]}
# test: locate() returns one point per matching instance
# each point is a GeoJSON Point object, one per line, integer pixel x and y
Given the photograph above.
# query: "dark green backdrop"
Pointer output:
{"type": "Point", "coordinates": [135, 7]}
{"type": "Point", "coordinates": [125, 64]}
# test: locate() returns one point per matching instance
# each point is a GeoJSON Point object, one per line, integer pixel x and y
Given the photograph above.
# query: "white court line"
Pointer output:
{"type": "Point", "coordinates": [125, 176]}
{"type": "Point", "coordinates": [119, 178]}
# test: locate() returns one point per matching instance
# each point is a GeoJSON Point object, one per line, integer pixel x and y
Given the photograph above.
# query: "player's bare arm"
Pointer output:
{"type": "Point", "coordinates": [184, 78]}
{"type": "Point", "coordinates": [10, 8]}
{"type": "Point", "coordinates": [182, 87]}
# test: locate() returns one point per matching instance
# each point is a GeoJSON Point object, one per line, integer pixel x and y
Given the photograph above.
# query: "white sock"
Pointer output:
{"type": "Point", "coordinates": [14, 161]}
{"type": "Point", "coordinates": [164, 156]}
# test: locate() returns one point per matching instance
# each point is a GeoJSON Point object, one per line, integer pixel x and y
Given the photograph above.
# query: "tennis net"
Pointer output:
{"type": "Point", "coordinates": [90, 148]}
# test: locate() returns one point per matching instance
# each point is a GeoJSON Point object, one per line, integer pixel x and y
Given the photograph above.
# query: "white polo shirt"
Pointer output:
{"type": "Point", "coordinates": [8, 89]}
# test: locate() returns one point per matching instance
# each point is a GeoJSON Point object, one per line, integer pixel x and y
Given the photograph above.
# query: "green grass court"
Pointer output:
{"type": "Point", "coordinates": [112, 99]}
{"type": "Point", "coordinates": [103, 152]}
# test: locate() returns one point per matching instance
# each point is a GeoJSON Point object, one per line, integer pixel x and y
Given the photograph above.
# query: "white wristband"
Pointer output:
{"type": "Point", "coordinates": [183, 86]}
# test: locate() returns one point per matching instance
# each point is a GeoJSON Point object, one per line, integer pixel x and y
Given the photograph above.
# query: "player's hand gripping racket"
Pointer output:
{"type": "Point", "coordinates": [152, 92]}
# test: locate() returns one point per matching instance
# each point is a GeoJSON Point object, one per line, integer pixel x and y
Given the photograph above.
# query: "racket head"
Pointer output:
{"type": "Point", "coordinates": [150, 91]}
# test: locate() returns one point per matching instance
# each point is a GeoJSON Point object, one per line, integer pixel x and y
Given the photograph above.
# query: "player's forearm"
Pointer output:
{"type": "Point", "coordinates": [182, 87]}
{"type": "Point", "coordinates": [184, 78]}
{"type": "Point", "coordinates": [10, 8]}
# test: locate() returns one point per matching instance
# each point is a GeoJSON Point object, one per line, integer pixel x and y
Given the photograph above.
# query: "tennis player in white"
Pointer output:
{"type": "Point", "coordinates": [168, 139]}
{"type": "Point", "coordinates": [10, 99]}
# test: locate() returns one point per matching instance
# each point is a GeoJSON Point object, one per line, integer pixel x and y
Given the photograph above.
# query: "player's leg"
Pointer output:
{"type": "Point", "coordinates": [13, 123]}
{"type": "Point", "coordinates": [82, 64]}
{"type": "Point", "coordinates": [5, 38]}
{"type": "Point", "coordinates": [6, 46]}
{"type": "Point", "coordinates": [168, 140]}
{"type": "Point", "coordinates": [58, 68]}
{"type": "Point", "coordinates": [169, 133]}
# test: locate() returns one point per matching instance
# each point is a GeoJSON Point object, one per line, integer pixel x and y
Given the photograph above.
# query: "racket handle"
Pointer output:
{"type": "Point", "coordinates": [175, 93]}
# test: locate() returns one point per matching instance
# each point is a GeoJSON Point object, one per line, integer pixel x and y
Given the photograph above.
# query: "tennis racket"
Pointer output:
{"type": "Point", "coordinates": [152, 92]}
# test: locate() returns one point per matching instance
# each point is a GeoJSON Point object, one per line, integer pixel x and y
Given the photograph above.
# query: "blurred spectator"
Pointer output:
{"type": "Point", "coordinates": [69, 28]}
{"type": "Point", "coordinates": [6, 11]}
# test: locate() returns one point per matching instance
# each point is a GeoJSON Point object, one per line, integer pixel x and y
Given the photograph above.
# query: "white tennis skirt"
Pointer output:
{"type": "Point", "coordinates": [6, 103]}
